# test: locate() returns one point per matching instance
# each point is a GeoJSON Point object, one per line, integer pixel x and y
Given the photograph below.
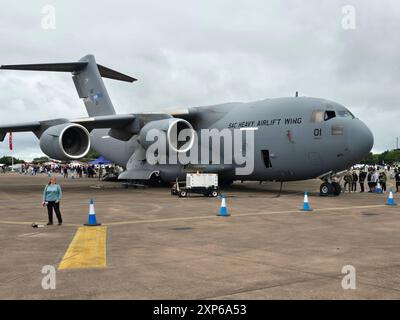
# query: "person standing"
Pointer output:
{"type": "Point", "coordinates": [101, 172]}
{"type": "Point", "coordinates": [354, 182]}
{"type": "Point", "coordinates": [369, 179]}
{"type": "Point", "coordinates": [348, 181]}
{"type": "Point", "coordinates": [361, 179]}
{"type": "Point", "coordinates": [375, 180]}
{"type": "Point", "coordinates": [52, 195]}
{"type": "Point", "coordinates": [79, 171]}
{"type": "Point", "coordinates": [65, 171]}
{"type": "Point", "coordinates": [397, 179]}
{"type": "Point", "coordinates": [382, 181]}
{"type": "Point", "coordinates": [91, 171]}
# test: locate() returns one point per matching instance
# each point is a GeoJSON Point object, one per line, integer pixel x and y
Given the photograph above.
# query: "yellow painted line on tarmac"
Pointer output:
{"type": "Point", "coordinates": [87, 249]}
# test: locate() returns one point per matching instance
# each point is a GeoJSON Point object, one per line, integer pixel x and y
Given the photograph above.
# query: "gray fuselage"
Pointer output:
{"type": "Point", "coordinates": [295, 138]}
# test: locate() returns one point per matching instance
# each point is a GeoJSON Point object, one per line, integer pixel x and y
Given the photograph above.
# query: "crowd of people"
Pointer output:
{"type": "Point", "coordinates": [69, 170]}
{"type": "Point", "coordinates": [372, 176]}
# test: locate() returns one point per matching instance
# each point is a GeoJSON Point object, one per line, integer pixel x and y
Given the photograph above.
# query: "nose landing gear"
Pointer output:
{"type": "Point", "coordinates": [330, 189]}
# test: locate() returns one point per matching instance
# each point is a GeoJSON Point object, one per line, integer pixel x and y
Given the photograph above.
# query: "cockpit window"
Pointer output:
{"type": "Point", "coordinates": [345, 114]}
{"type": "Point", "coordinates": [317, 116]}
{"type": "Point", "coordinates": [321, 115]}
{"type": "Point", "coordinates": [329, 114]}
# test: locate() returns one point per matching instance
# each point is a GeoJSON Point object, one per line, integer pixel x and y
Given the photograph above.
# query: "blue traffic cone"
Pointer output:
{"type": "Point", "coordinates": [223, 211]}
{"type": "Point", "coordinates": [306, 206]}
{"type": "Point", "coordinates": [390, 199]}
{"type": "Point", "coordinates": [378, 188]}
{"type": "Point", "coordinates": [92, 215]}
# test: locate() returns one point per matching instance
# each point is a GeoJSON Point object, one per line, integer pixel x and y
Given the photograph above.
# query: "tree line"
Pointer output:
{"type": "Point", "coordinates": [389, 157]}
{"type": "Point", "coordinates": [6, 160]}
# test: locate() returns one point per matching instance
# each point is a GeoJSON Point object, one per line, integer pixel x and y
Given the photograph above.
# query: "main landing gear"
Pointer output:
{"type": "Point", "coordinates": [330, 189]}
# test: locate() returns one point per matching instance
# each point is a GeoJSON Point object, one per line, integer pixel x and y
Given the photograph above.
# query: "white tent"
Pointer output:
{"type": "Point", "coordinates": [76, 163]}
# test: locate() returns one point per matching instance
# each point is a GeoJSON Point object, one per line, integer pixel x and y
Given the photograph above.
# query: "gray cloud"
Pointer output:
{"type": "Point", "coordinates": [190, 53]}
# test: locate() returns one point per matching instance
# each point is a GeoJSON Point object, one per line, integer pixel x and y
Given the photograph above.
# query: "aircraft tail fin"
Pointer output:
{"type": "Point", "coordinates": [87, 76]}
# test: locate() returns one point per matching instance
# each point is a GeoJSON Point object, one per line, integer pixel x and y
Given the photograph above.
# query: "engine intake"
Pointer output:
{"type": "Point", "coordinates": [68, 141]}
{"type": "Point", "coordinates": [172, 127]}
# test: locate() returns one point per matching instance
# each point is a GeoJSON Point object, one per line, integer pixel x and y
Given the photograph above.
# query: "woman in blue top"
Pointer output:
{"type": "Point", "coordinates": [51, 198]}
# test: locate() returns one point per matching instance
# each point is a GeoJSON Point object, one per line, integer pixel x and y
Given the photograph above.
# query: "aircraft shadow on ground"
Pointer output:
{"type": "Point", "coordinates": [259, 191]}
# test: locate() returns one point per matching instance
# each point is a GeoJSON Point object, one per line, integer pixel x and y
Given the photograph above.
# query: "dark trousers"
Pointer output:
{"type": "Point", "coordinates": [56, 206]}
{"type": "Point", "coordinates": [383, 186]}
{"type": "Point", "coordinates": [362, 186]}
{"type": "Point", "coordinates": [371, 186]}
{"type": "Point", "coordinates": [354, 186]}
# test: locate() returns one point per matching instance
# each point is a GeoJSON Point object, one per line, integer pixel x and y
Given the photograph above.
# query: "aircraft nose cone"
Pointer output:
{"type": "Point", "coordinates": [361, 140]}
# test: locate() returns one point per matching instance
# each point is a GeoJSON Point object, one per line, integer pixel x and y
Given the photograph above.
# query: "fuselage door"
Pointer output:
{"type": "Point", "coordinates": [266, 158]}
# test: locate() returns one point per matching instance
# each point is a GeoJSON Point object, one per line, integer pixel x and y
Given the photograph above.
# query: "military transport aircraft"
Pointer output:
{"type": "Point", "coordinates": [295, 138]}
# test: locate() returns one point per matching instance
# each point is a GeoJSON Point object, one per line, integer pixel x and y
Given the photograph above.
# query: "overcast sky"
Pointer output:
{"type": "Point", "coordinates": [191, 53]}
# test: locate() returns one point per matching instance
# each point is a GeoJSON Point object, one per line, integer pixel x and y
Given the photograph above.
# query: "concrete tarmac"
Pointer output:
{"type": "Point", "coordinates": [158, 246]}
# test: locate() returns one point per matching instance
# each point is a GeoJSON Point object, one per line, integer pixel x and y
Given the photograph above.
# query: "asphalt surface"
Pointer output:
{"type": "Point", "coordinates": [157, 246]}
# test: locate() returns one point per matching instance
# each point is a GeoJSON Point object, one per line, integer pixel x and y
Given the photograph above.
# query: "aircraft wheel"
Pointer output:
{"type": "Point", "coordinates": [337, 188]}
{"type": "Point", "coordinates": [326, 189]}
{"type": "Point", "coordinates": [182, 193]}
{"type": "Point", "coordinates": [214, 193]}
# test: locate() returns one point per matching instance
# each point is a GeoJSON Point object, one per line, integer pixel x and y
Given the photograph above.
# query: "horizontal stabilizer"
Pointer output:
{"type": "Point", "coordinates": [73, 67]}
{"type": "Point", "coordinates": [112, 74]}
{"type": "Point", "coordinates": [58, 67]}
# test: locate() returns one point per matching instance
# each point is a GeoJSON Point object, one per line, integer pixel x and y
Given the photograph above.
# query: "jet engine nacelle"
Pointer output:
{"type": "Point", "coordinates": [67, 141]}
{"type": "Point", "coordinates": [172, 127]}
